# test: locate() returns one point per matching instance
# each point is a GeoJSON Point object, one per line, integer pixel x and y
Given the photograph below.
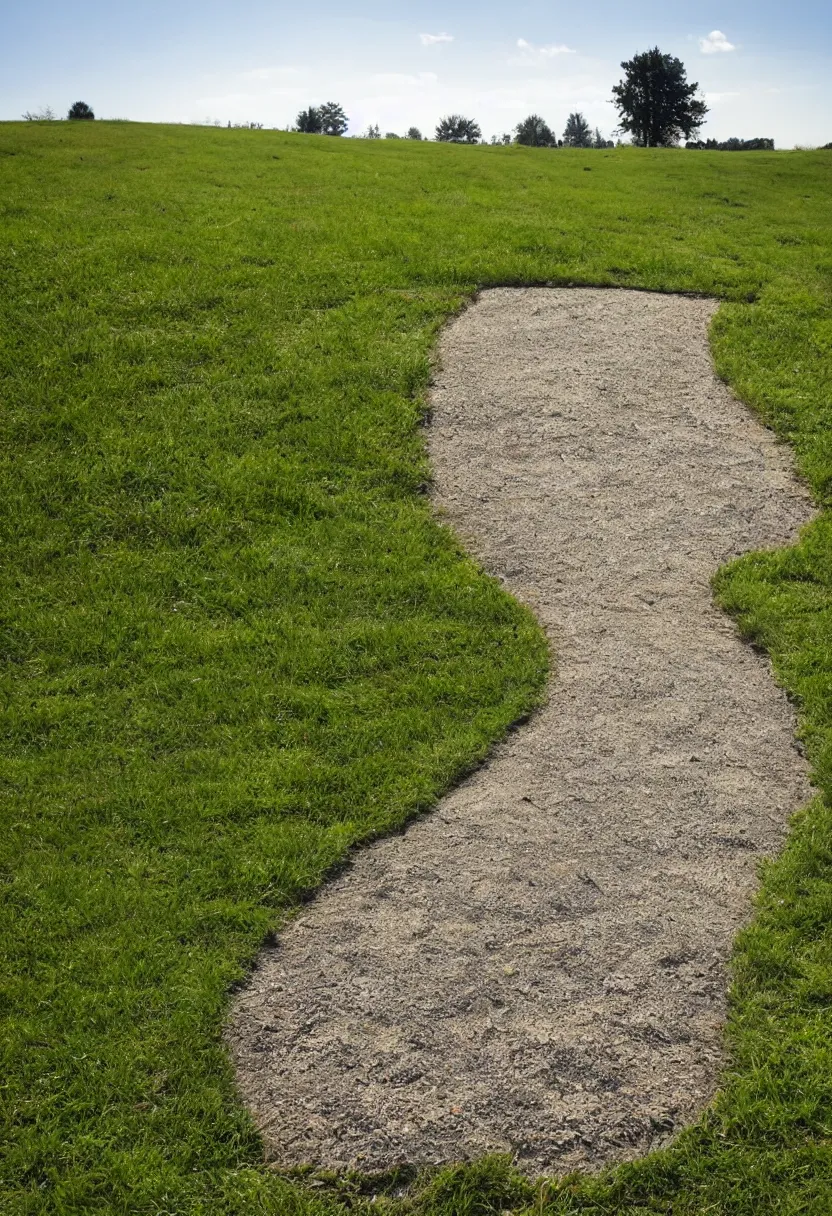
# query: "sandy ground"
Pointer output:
{"type": "Point", "coordinates": [539, 966]}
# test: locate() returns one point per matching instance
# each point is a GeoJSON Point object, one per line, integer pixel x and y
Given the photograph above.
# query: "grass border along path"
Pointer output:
{"type": "Point", "coordinates": [236, 642]}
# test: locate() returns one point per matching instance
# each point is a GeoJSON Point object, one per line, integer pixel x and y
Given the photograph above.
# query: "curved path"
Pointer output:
{"type": "Point", "coordinates": [539, 966]}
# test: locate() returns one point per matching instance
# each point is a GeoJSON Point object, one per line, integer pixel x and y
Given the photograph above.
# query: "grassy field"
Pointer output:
{"type": "Point", "coordinates": [236, 643]}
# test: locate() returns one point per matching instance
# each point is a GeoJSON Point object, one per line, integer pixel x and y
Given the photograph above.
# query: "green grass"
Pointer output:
{"type": "Point", "coordinates": [236, 642]}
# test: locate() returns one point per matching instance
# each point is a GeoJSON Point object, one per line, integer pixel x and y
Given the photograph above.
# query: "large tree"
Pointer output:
{"type": "Point", "coordinates": [454, 129]}
{"type": "Point", "coordinates": [655, 102]}
{"type": "Point", "coordinates": [533, 132]}
{"type": "Point", "coordinates": [577, 132]}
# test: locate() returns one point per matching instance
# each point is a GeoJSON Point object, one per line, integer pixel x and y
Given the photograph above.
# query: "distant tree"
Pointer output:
{"type": "Point", "coordinates": [454, 129]}
{"type": "Point", "coordinates": [413, 133]}
{"type": "Point", "coordinates": [391, 135]}
{"type": "Point", "coordinates": [655, 102]}
{"type": "Point", "coordinates": [373, 132]}
{"type": "Point", "coordinates": [333, 119]}
{"type": "Point", "coordinates": [598, 140]}
{"type": "Point", "coordinates": [80, 109]}
{"type": "Point", "coordinates": [309, 121]}
{"type": "Point", "coordinates": [577, 133]}
{"type": "Point", "coordinates": [533, 132]}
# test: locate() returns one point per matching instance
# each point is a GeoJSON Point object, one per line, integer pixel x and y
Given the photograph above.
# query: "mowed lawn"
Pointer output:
{"type": "Point", "coordinates": [236, 642]}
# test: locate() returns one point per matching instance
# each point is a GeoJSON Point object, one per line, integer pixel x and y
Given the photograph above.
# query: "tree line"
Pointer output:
{"type": "Point", "coordinates": [732, 145]}
{"type": "Point", "coordinates": [657, 106]}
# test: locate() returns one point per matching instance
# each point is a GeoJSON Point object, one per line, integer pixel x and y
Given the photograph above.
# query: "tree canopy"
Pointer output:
{"type": "Point", "coordinates": [533, 132]}
{"type": "Point", "coordinates": [413, 133]}
{"type": "Point", "coordinates": [454, 129]}
{"type": "Point", "coordinates": [80, 109]}
{"type": "Point", "coordinates": [655, 102]}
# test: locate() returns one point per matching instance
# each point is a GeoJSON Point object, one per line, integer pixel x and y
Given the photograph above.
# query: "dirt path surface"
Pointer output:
{"type": "Point", "coordinates": [539, 966]}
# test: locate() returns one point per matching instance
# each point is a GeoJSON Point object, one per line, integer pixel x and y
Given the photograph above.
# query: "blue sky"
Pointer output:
{"type": "Point", "coordinates": [765, 68]}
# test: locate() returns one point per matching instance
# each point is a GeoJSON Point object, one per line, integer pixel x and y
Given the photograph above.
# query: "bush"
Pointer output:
{"type": "Point", "coordinates": [413, 133]}
{"type": "Point", "coordinates": [47, 114]}
{"type": "Point", "coordinates": [80, 110]}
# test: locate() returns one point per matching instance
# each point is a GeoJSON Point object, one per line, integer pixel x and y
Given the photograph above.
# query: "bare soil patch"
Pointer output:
{"type": "Point", "coordinates": [539, 966]}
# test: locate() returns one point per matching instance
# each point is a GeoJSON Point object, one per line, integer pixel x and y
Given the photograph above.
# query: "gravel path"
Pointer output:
{"type": "Point", "coordinates": [539, 966]}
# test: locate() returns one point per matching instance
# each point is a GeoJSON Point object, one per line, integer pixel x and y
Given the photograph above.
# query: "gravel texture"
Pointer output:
{"type": "Point", "coordinates": [539, 966]}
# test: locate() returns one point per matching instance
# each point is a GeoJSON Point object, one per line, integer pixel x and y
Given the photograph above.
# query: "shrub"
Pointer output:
{"type": "Point", "coordinates": [80, 110]}
{"type": "Point", "coordinates": [46, 114]}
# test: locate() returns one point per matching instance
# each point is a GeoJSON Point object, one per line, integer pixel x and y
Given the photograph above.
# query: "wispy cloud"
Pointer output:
{"type": "Point", "coordinates": [714, 43]}
{"type": "Point", "coordinates": [716, 98]}
{"type": "Point", "coordinates": [431, 39]}
{"type": "Point", "coordinates": [529, 52]}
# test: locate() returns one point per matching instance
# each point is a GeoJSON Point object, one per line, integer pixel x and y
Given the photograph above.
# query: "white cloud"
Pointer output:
{"type": "Point", "coordinates": [715, 42]}
{"type": "Point", "coordinates": [716, 98]}
{"type": "Point", "coordinates": [530, 51]}
{"type": "Point", "coordinates": [431, 39]}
